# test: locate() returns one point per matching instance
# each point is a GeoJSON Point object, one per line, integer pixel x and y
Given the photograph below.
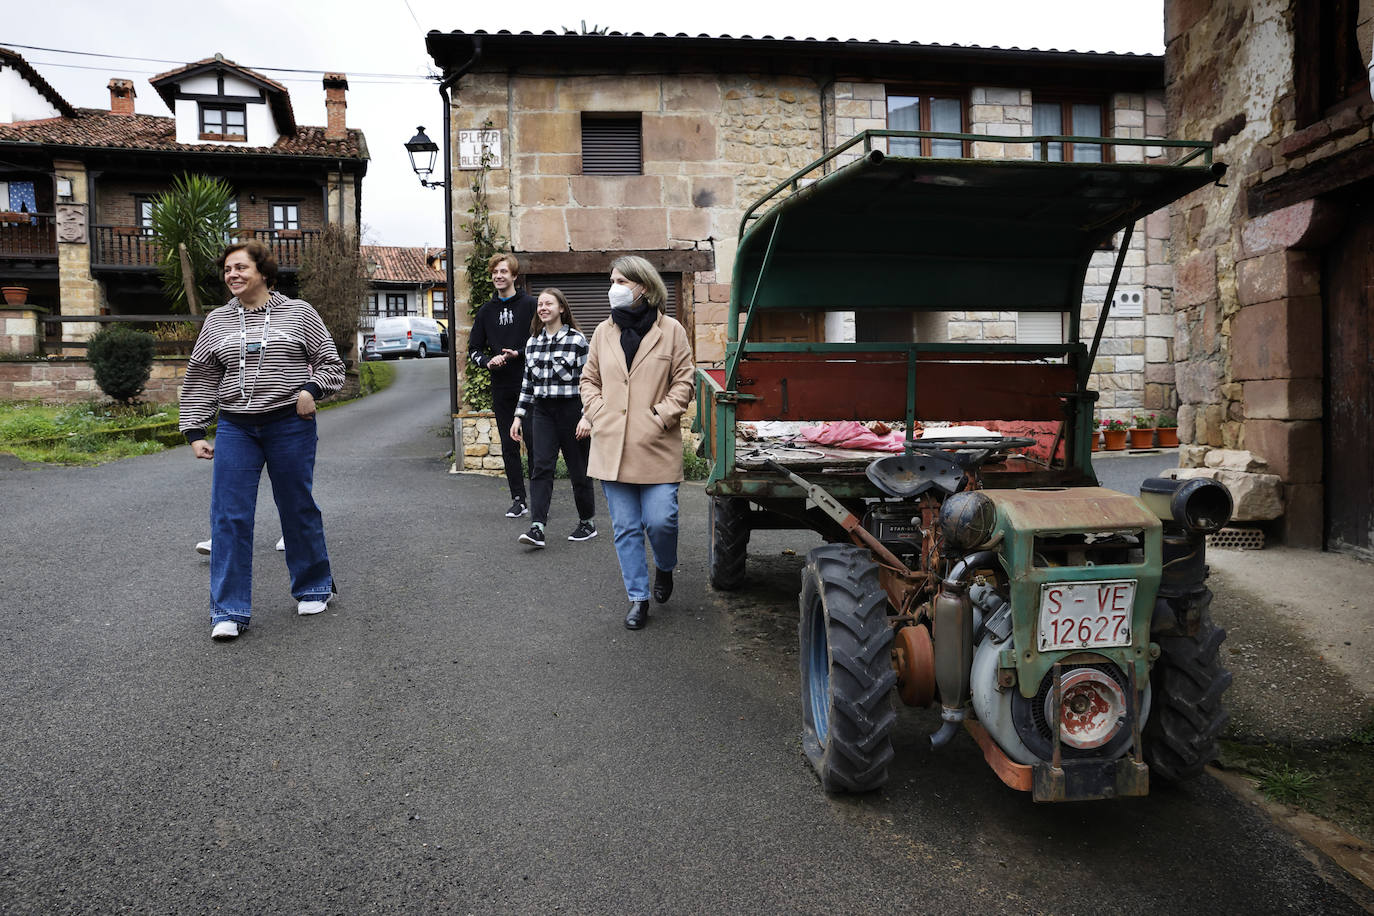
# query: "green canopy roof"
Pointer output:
{"type": "Point", "coordinates": [942, 234]}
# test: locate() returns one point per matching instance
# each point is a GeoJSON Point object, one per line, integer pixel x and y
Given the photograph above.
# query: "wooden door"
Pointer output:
{"type": "Point", "coordinates": [1349, 409]}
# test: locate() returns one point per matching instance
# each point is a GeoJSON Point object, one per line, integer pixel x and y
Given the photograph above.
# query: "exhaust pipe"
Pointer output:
{"type": "Point", "coordinates": [953, 632]}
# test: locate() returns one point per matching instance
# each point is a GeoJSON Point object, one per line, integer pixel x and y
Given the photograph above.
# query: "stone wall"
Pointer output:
{"type": "Point", "coordinates": [1249, 354]}
{"type": "Point", "coordinates": [70, 381]}
{"type": "Point", "coordinates": [712, 145]}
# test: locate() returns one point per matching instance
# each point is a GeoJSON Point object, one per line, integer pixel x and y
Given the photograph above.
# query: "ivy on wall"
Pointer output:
{"type": "Point", "coordinates": [485, 243]}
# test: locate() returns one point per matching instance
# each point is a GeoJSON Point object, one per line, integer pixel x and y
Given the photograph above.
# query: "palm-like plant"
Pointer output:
{"type": "Point", "coordinates": [191, 224]}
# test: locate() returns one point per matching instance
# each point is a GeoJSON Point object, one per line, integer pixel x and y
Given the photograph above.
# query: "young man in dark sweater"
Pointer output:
{"type": "Point", "coordinates": [499, 332]}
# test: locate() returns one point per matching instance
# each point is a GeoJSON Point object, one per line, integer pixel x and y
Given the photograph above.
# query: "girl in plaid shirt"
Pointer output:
{"type": "Point", "coordinates": [554, 357]}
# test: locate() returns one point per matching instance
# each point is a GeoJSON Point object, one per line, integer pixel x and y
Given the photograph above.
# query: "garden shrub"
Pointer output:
{"type": "Point", "coordinates": [122, 360]}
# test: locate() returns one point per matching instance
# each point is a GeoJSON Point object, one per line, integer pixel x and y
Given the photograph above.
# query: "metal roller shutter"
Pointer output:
{"type": "Point", "coordinates": [586, 294]}
{"type": "Point", "coordinates": [611, 146]}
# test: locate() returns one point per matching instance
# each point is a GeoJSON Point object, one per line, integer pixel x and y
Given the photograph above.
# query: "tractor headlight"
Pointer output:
{"type": "Point", "coordinates": [968, 520]}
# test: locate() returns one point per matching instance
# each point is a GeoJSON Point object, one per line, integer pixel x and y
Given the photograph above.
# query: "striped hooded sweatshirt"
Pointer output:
{"type": "Point", "coordinates": [249, 364]}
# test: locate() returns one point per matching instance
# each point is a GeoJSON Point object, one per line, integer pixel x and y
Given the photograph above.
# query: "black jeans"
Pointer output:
{"type": "Point", "coordinates": [555, 420]}
{"type": "Point", "coordinates": [503, 401]}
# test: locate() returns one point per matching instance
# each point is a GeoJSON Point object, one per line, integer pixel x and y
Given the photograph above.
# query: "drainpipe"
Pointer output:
{"type": "Point", "coordinates": [450, 82]}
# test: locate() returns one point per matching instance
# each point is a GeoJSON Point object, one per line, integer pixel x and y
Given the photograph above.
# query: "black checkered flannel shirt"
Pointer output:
{"type": "Point", "coordinates": [553, 366]}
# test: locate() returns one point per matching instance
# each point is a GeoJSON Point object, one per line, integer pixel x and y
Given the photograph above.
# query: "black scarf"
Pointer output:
{"type": "Point", "coordinates": [634, 323]}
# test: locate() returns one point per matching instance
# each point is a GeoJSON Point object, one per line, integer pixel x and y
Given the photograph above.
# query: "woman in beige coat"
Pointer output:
{"type": "Point", "coordinates": [635, 388]}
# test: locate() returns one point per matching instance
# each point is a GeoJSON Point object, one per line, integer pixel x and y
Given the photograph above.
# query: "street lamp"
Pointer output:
{"type": "Point", "coordinates": [422, 152]}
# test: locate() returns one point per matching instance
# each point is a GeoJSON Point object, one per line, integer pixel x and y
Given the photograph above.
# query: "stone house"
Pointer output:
{"type": "Point", "coordinates": [1273, 307]}
{"type": "Point", "coordinates": [86, 179]}
{"type": "Point", "coordinates": [657, 145]}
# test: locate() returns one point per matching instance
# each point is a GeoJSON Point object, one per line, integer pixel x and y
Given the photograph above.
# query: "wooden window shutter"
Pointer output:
{"type": "Point", "coordinates": [612, 145]}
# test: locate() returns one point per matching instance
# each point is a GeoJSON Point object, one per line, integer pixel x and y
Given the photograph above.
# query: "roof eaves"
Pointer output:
{"type": "Point", "coordinates": [35, 79]}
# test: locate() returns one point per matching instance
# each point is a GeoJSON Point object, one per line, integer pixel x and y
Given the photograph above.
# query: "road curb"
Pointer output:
{"type": "Point", "coordinates": [1348, 851]}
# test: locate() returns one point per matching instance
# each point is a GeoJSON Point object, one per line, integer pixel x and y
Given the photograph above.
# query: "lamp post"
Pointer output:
{"type": "Point", "coordinates": [422, 152]}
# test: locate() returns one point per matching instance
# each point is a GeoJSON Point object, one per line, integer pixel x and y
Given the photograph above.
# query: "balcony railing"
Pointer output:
{"type": "Point", "coordinates": [28, 235]}
{"type": "Point", "coordinates": [133, 247]}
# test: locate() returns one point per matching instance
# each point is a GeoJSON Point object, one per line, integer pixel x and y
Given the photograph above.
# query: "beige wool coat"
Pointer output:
{"type": "Point", "coordinates": [635, 414]}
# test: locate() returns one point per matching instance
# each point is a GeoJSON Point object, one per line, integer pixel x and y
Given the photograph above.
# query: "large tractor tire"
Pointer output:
{"type": "Point", "coordinates": [728, 548]}
{"type": "Point", "coordinates": [1186, 715]}
{"type": "Point", "coordinates": [846, 669]}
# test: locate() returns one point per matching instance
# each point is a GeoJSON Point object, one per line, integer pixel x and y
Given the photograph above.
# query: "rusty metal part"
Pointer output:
{"type": "Point", "coordinates": [905, 588]}
{"type": "Point", "coordinates": [846, 519]}
{"type": "Point", "coordinates": [1016, 775]}
{"type": "Point", "coordinates": [1084, 780]}
{"type": "Point", "coordinates": [913, 655]}
{"type": "Point", "coordinates": [1094, 708]}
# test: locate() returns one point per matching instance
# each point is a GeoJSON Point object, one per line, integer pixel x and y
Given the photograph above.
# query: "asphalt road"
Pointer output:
{"type": "Point", "coordinates": [470, 729]}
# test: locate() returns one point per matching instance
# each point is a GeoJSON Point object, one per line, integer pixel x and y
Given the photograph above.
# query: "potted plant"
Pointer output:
{"type": "Point", "coordinates": [15, 295]}
{"type": "Point", "coordinates": [1143, 431]}
{"type": "Point", "coordinates": [1114, 435]}
{"type": "Point", "coordinates": [1166, 431]}
{"type": "Point", "coordinates": [1096, 436]}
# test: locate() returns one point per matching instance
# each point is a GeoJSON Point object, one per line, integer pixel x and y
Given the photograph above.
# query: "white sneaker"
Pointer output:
{"type": "Point", "coordinates": [307, 607]}
{"type": "Point", "coordinates": [225, 629]}
{"type": "Point", "coordinates": [281, 543]}
{"type": "Point", "coordinates": [203, 548]}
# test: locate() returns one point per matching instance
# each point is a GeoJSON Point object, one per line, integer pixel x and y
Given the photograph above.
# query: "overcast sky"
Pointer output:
{"type": "Point", "coordinates": [387, 37]}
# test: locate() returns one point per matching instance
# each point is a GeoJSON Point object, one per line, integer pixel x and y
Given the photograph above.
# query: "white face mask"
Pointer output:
{"type": "Point", "coordinates": [620, 296]}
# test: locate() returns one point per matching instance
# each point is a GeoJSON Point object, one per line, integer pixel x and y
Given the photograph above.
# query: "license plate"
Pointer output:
{"type": "Point", "coordinates": [1086, 615]}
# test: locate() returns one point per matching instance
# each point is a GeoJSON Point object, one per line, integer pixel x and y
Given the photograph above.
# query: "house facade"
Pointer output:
{"type": "Point", "coordinates": [402, 281]}
{"type": "Point", "coordinates": [1274, 310]}
{"type": "Point", "coordinates": [87, 177]}
{"type": "Point", "coordinates": [657, 146]}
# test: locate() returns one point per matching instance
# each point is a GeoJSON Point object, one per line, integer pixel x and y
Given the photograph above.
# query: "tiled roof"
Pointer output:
{"type": "Point", "coordinates": [166, 86]}
{"type": "Point", "coordinates": [400, 265]}
{"type": "Point", "coordinates": [96, 127]}
{"type": "Point", "coordinates": [26, 70]}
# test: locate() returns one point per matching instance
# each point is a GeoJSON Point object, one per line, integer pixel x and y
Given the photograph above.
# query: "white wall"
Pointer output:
{"type": "Point", "coordinates": [262, 130]}
{"type": "Point", "coordinates": [20, 101]}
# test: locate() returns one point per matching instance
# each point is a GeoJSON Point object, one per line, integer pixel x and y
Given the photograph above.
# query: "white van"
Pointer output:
{"type": "Point", "coordinates": [408, 335]}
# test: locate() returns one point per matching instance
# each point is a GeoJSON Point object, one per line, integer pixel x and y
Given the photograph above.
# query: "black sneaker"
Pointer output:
{"type": "Point", "coordinates": [517, 508]}
{"type": "Point", "coordinates": [534, 537]}
{"type": "Point", "coordinates": [584, 531]}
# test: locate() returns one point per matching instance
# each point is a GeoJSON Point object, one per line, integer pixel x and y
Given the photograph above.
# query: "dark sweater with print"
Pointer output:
{"type": "Point", "coordinates": [502, 324]}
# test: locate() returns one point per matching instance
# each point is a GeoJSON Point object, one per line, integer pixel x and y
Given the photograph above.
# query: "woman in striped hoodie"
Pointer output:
{"type": "Point", "coordinates": [260, 362]}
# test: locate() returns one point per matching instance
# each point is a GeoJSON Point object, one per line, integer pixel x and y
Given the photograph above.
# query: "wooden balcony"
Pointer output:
{"type": "Point", "coordinates": [132, 248]}
{"type": "Point", "coordinates": [28, 236]}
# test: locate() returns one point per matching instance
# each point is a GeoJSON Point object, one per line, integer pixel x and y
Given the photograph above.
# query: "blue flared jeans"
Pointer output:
{"type": "Point", "coordinates": [286, 446]}
{"type": "Point", "coordinates": [639, 509]}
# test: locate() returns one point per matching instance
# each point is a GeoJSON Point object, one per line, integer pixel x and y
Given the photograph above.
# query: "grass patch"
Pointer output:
{"type": "Point", "coordinates": [87, 433]}
{"type": "Point", "coordinates": [375, 376]}
{"type": "Point", "coordinates": [1329, 780]}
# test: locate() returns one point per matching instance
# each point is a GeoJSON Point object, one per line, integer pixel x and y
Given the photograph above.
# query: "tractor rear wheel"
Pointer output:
{"type": "Point", "coordinates": [728, 548]}
{"type": "Point", "coordinates": [846, 669]}
{"type": "Point", "coordinates": [1186, 715]}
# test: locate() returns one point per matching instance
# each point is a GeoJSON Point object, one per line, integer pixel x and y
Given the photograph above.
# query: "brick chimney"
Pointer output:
{"type": "Point", "coordinates": [335, 88]}
{"type": "Point", "coordinates": [122, 96]}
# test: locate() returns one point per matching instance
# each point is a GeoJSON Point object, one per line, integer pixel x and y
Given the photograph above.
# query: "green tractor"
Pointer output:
{"type": "Point", "coordinates": [981, 568]}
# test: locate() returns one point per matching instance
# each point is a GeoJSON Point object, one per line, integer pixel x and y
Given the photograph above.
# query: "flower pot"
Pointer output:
{"type": "Point", "coordinates": [15, 295]}
{"type": "Point", "coordinates": [1115, 439]}
{"type": "Point", "coordinates": [1168, 436]}
{"type": "Point", "coordinates": [1142, 438]}
{"type": "Point", "coordinates": [1095, 439]}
